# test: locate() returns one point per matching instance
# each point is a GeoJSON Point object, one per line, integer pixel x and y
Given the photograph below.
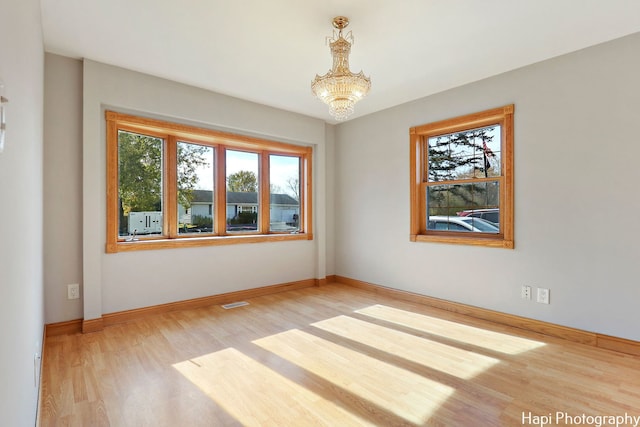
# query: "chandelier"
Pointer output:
{"type": "Point", "coordinates": [340, 88]}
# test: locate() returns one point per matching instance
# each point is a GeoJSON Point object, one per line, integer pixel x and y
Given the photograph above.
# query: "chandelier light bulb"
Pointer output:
{"type": "Point", "coordinates": [340, 89]}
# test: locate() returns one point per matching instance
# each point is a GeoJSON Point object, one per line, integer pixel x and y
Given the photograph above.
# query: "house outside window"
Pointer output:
{"type": "Point", "coordinates": [462, 180]}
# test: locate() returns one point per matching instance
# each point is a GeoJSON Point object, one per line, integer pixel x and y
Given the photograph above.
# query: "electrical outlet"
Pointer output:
{"type": "Point", "coordinates": [543, 295]}
{"type": "Point", "coordinates": [73, 291]}
{"type": "Point", "coordinates": [526, 292]}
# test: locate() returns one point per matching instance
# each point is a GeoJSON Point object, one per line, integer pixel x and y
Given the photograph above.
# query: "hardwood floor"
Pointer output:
{"type": "Point", "coordinates": [333, 356]}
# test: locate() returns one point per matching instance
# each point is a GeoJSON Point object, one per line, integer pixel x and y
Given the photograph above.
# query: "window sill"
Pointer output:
{"type": "Point", "coordinates": [477, 240]}
{"type": "Point", "coordinates": [192, 242]}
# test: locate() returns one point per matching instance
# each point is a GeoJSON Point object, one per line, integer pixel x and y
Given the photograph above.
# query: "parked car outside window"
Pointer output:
{"type": "Point", "coordinates": [491, 215]}
{"type": "Point", "coordinates": [457, 223]}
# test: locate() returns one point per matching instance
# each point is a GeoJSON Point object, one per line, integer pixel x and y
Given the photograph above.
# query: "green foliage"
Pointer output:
{"type": "Point", "coordinates": [451, 199]}
{"type": "Point", "coordinates": [140, 172]}
{"type": "Point", "coordinates": [201, 220]}
{"type": "Point", "coordinates": [245, 218]}
{"type": "Point", "coordinates": [242, 182]}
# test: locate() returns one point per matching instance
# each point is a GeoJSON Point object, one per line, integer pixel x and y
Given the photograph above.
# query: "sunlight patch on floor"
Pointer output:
{"type": "Point", "coordinates": [444, 358]}
{"type": "Point", "coordinates": [399, 391]}
{"type": "Point", "coordinates": [490, 340]}
{"type": "Point", "coordinates": [258, 396]}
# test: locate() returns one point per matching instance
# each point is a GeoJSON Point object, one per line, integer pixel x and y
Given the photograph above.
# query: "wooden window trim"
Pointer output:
{"type": "Point", "coordinates": [502, 116]}
{"type": "Point", "coordinates": [171, 133]}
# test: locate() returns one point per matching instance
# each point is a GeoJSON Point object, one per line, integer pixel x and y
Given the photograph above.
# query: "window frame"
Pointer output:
{"type": "Point", "coordinates": [172, 133]}
{"type": "Point", "coordinates": [419, 136]}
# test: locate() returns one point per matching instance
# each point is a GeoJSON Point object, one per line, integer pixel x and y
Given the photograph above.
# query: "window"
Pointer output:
{"type": "Point", "coordinates": [195, 179]}
{"type": "Point", "coordinates": [462, 180]}
{"type": "Point", "coordinates": [171, 185]}
{"type": "Point", "coordinates": [284, 197]}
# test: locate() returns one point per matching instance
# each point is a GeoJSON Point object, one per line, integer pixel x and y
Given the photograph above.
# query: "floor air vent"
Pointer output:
{"type": "Point", "coordinates": [234, 305]}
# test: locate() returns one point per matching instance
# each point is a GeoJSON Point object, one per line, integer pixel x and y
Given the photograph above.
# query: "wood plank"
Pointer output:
{"type": "Point", "coordinates": [330, 355]}
{"type": "Point", "coordinates": [170, 187]}
{"type": "Point", "coordinates": [264, 194]}
{"type": "Point", "coordinates": [306, 196]}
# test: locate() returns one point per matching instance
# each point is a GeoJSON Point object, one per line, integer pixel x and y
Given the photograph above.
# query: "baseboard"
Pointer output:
{"type": "Point", "coordinates": [92, 325]}
{"type": "Point", "coordinates": [571, 334]}
{"type": "Point", "coordinates": [63, 328]}
{"type": "Point", "coordinates": [621, 345]}
{"type": "Point", "coordinates": [326, 281]}
{"type": "Point", "coordinates": [128, 315]}
{"type": "Point", "coordinates": [95, 325]}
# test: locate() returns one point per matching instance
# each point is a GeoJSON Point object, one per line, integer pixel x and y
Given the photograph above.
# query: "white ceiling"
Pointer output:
{"type": "Point", "coordinates": [268, 51]}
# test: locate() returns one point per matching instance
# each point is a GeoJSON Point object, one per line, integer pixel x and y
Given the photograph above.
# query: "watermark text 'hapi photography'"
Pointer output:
{"type": "Point", "coordinates": [560, 418]}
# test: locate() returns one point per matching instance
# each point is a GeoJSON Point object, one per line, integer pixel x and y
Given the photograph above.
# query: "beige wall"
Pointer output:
{"type": "Point", "coordinates": [21, 295]}
{"type": "Point", "coordinates": [330, 208]}
{"type": "Point", "coordinates": [576, 179]}
{"type": "Point", "coordinates": [115, 282]}
{"type": "Point", "coordinates": [62, 186]}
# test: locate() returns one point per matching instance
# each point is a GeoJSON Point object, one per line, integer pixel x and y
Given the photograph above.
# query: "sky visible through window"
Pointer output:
{"type": "Point", "coordinates": [283, 168]}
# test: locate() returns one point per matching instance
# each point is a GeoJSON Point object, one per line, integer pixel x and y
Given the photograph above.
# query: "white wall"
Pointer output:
{"type": "Point", "coordinates": [21, 294]}
{"type": "Point", "coordinates": [115, 282]}
{"type": "Point", "coordinates": [576, 195]}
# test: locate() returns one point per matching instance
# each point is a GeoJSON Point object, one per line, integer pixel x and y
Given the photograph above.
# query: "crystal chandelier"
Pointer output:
{"type": "Point", "coordinates": [340, 88]}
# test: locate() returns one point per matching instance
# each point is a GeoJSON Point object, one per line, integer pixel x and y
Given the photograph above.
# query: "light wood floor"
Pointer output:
{"type": "Point", "coordinates": [332, 356]}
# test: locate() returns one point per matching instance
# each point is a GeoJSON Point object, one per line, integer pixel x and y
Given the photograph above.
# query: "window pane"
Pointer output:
{"type": "Point", "coordinates": [195, 188]}
{"type": "Point", "coordinates": [284, 179]}
{"type": "Point", "coordinates": [242, 191]}
{"type": "Point", "coordinates": [139, 184]}
{"type": "Point", "coordinates": [464, 207]}
{"type": "Point", "coordinates": [464, 155]}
